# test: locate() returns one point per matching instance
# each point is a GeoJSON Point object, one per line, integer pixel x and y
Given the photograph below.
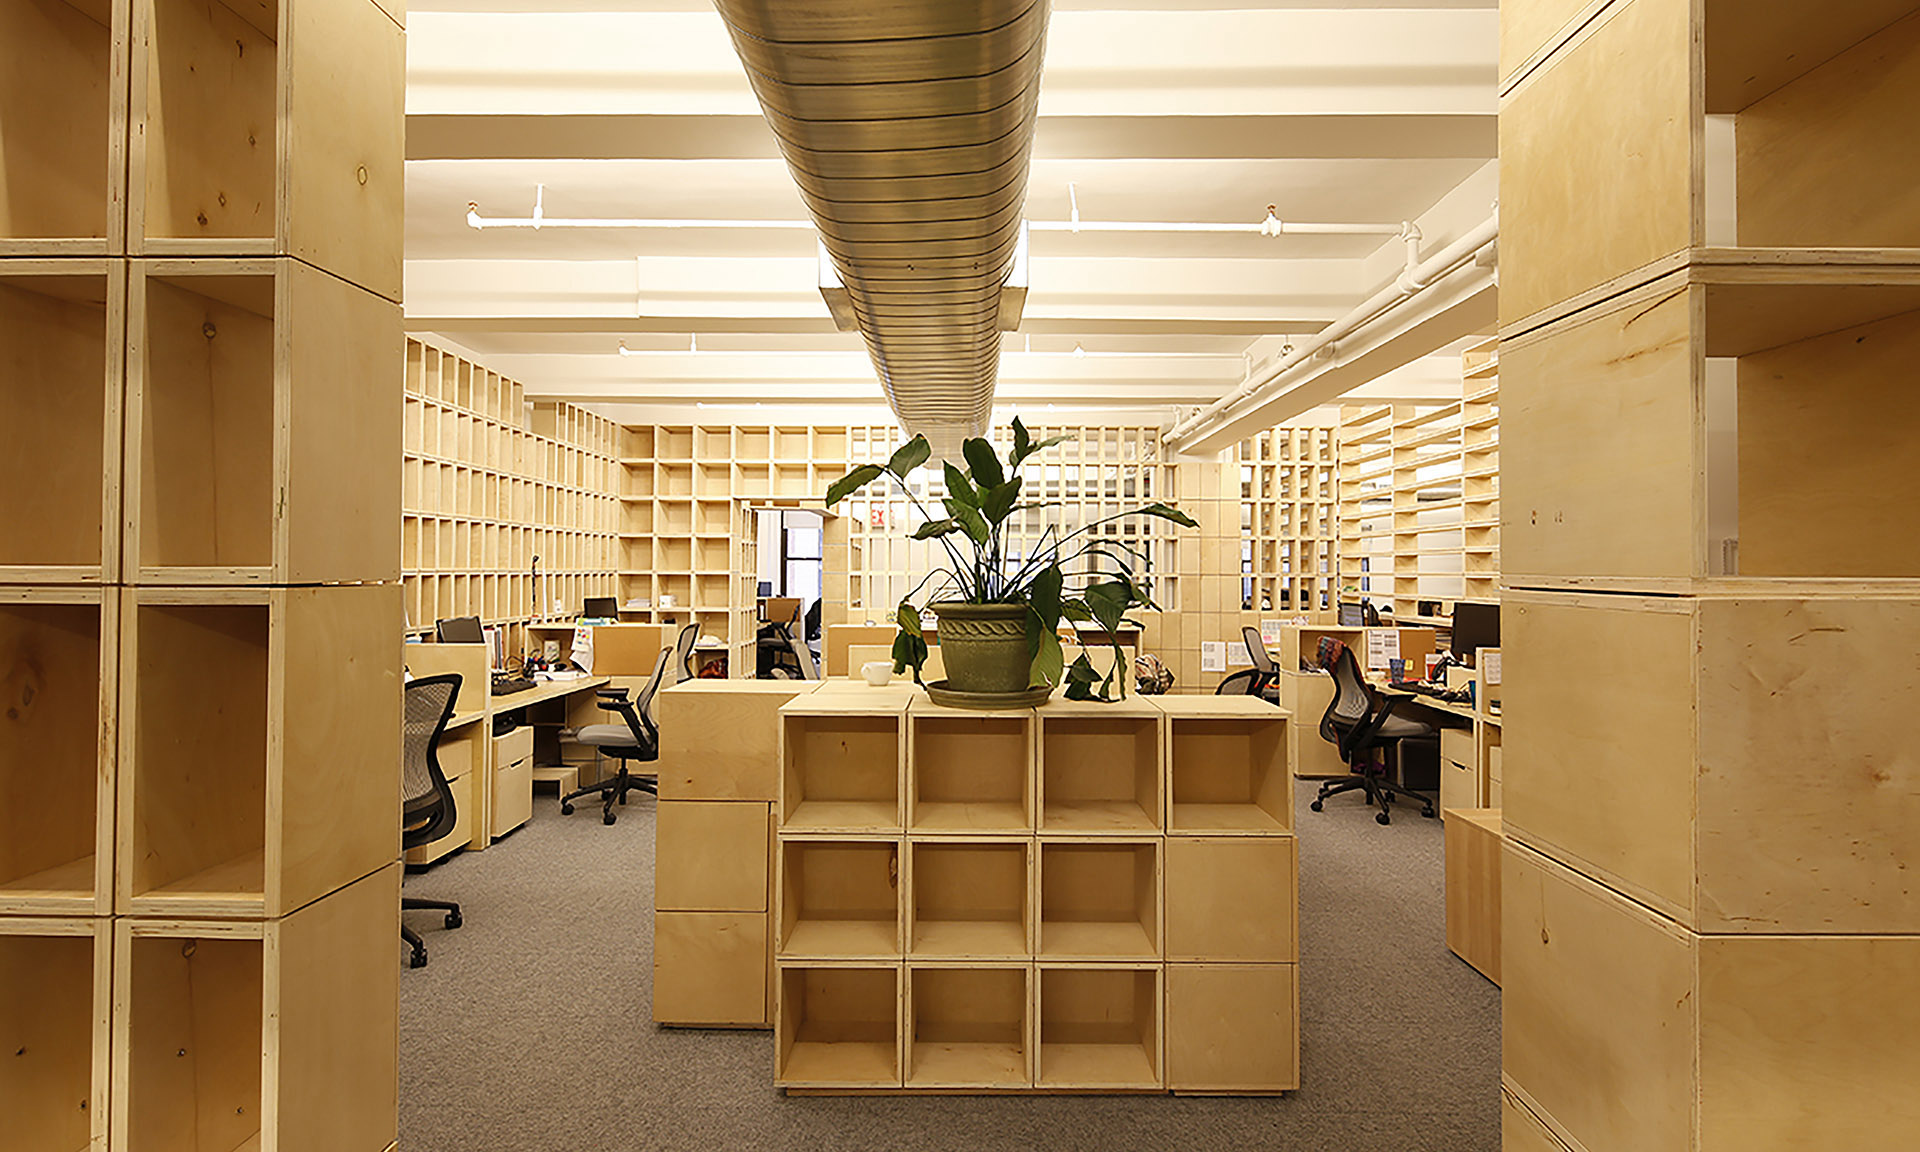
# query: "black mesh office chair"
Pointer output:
{"type": "Point", "coordinates": [636, 739]}
{"type": "Point", "coordinates": [1358, 721]}
{"type": "Point", "coordinates": [812, 635]}
{"type": "Point", "coordinates": [1262, 680]}
{"type": "Point", "coordinates": [682, 666]}
{"type": "Point", "coordinates": [426, 804]}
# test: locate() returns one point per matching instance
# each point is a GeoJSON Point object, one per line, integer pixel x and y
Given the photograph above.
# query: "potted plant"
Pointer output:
{"type": "Point", "coordinates": [999, 614]}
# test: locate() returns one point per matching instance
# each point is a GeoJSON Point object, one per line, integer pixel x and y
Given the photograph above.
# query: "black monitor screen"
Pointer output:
{"type": "Point", "coordinates": [766, 588]}
{"type": "Point", "coordinates": [1475, 626]}
{"type": "Point", "coordinates": [1352, 615]}
{"type": "Point", "coordinates": [600, 607]}
{"type": "Point", "coordinates": [459, 630]}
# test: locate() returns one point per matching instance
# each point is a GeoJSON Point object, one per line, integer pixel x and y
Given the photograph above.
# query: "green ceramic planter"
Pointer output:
{"type": "Point", "coordinates": [984, 647]}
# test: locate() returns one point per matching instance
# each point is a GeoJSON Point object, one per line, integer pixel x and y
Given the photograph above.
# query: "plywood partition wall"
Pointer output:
{"type": "Point", "coordinates": [1706, 351]}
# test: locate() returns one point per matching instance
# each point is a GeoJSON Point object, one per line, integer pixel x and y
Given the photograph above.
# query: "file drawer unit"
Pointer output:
{"type": "Point", "coordinates": [1001, 906]}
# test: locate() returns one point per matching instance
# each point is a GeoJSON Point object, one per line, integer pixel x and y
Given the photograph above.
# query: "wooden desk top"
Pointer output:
{"type": "Point", "coordinates": [545, 690]}
{"type": "Point", "coordinates": [1464, 711]}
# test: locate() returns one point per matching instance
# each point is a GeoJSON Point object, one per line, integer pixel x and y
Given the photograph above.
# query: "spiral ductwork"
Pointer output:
{"type": "Point", "coordinates": [908, 125]}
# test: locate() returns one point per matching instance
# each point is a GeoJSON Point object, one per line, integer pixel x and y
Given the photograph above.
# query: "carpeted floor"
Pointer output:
{"type": "Point", "coordinates": [530, 1030]}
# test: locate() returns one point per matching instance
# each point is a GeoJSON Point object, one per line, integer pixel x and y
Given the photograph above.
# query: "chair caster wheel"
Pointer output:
{"type": "Point", "coordinates": [419, 959]}
{"type": "Point", "coordinates": [453, 920]}
{"type": "Point", "coordinates": [1428, 813]}
{"type": "Point", "coordinates": [566, 809]}
{"type": "Point", "coordinates": [1382, 818]}
{"type": "Point", "coordinates": [1316, 806]}
{"type": "Point", "coordinates": [607, 818]}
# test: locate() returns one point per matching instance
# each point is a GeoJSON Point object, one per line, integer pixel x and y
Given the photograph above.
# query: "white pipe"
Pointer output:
{"type": "Point", "coordinates": [1415, 279]}
{"type": "Point", "coordinates": [540, 220]}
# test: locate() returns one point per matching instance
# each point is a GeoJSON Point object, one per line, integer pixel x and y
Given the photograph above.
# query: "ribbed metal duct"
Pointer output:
{"type": "Point", "coordinates": [907, 125]}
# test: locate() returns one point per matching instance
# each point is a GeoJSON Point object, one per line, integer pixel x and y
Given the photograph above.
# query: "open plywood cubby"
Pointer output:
{"type": "Point", "coordinates": [1099, 1028]}
{"type": "Point", "coordinates": [252, 725]}
{"type": "Point", "coordinates": [269, 127]}
{"type": "Point", "coordinates": [260, 438]}
{"type": "Point", "coordinates": [969, 1027]}
{"type": "Point", "coordinates": [278, 1035]}
{"type": "Point", "coordinates": [837, 1027]}
{"type": "Point", "coordinates": [1101, 773]}
{"type": "Point", "coordinates": [63, 113]}
{"type": "Point", "coordinates": [840, 772]}
{"type": "Point", "coordinates": [59, 660]}
{"type": "Point", "coordinates": [1228, 774]}
{"type": "Point", "coordinates": [969, 900]}
{"type": "Point", "coordinates": [839, 898]}
{"type": "Point", "coordinates": [62, 324]}
{"type": "Point", "coordinates": [969, 772]}
{"type": "Point", "coordinates": [55, 997]}
{"type": "Point", "coordinates": [1100, 900]}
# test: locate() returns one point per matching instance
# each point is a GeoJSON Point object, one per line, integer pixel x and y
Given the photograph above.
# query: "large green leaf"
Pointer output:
{"type": "Point", "coordinates": [1081, 678]}
{"type": "Point", "coordinates": [1166, 513]}
{"type": "Point", "coordinates": [960, 488]}
{"type": "Point", "coordinates": [911, 455]}
{"type": "Point", "coordinates": [852, 482]}
{"type": "Point", "coordinates": [997, 502]}
{"type": "Point", "coordinates": [908, 617]}
{"type": "Point", "coordinates": [1109, 602]}
{"type": "Point", "coordinates": [909, 651]}
{"type": "Point", "coordinates": [1022, 442]}
{"type": "Point", "coordinates": [934, 528]}
{"type": "Point", "coordinates": [1048, 657]}
{"type": "Point", "coordinates": [1043, 595]}
{"type": "Point", "coordinates": [970, 519]}
{"type": "Point", "coordinates": [983, 462]}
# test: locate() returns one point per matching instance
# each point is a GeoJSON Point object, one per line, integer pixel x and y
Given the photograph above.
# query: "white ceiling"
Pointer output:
{"type": "Point", "coordinates": [1155, 110]}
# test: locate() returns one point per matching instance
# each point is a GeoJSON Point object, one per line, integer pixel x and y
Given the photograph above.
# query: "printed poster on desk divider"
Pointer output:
{"type": "Point", "coordinates": [1383, 646]}
{"type": "Point", "coordinates": [583, 648]}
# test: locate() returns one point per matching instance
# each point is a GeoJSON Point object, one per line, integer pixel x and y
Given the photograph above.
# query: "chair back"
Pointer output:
{"type": "Point", "coordinates": [682, 666]}
{"type": "Point", "coordinates": [1246, 682]}
{"type": "Point", "coordinates": [803, 656]}
{"type": "Point", "coordinates": [638, 713]}
{"type": "Point", "coordinates": [813, 621]}
{"type": "Point", "coordinates": [1257, 649]}
{"type": "Point", "coordinates": [1352, 701]}
{"type": "Point", "coordinates": [426, 801]}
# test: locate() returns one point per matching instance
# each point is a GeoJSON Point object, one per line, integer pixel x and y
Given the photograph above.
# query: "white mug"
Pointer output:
{"type": "Point", "coordinates": [877, 672]}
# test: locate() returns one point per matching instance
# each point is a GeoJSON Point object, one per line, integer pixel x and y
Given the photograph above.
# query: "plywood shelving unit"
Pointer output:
{"type": "Point", "coordinates": [985, 950]}
{"type": "Point", "coordinates": [1419, 515]}
{"type": "Point", "coordinates": [200, 352]}
{"type": "Point", "coordinates": [1701, 382]}
{"type": "Point", "coordinates": [1289, 497]}
{"type": "Point", "coordinates": [491, 482]}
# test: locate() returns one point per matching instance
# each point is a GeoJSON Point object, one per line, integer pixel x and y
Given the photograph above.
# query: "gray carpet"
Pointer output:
{"type": "Point", "coordinates": [530, 1030]}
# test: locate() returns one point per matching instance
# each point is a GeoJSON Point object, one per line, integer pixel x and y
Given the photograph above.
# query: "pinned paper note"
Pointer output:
{"type": "Point", "coordinates": [1213, 656]}
{"type": "Point", "coordinates": [1383, 646]}
{"type": "Point", "coordinates": [1490, 666]}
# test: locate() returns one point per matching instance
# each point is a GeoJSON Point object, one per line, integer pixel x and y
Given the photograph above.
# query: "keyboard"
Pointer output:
{"type": "Point", "coordinates": [505, 683]}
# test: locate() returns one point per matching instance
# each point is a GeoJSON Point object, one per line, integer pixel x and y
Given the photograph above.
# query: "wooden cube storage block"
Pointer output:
{"type": "Point", "coordinates": [837, 1027]}
{"type": "Point", "coordinates": [1101, 771]}
{"type": "Point", "coordinates": [720, 740]}
{"type": "Point", "coordinates": [59, 663]}
{"type": "Point", "coordinates": [1232, 898]}
{"type": "Point", "coordinates": [1744, 456]}
{"type": "Point", "coordinates": [970, 900]}
{"type": "Point", "coordinates": [969, 1027]}
{"type": "Point", "coordinates": [1099, 1028]}
{"type": "Point", "coordinates": [1100, 900]}
{"type": "Point", "coordinates": [258, 729]}
{"type": "Point", "coordinates": [269, 129]}
{"type": "Point", "coordinates": [63, 105]}
{"type": "Point", "coordinates": [711, 856]}
{"type": "Point", "coordinates": [260, 438]}
{"type": "Point", "coordinates": [1473, 888]}
{"type": "Point", "coordinates": [1233, 1028]}
{"type": "Point", "coordinates": [62, 375]}
{"type": "Point", "coordinates": [840, 764]}
{"type": "Point", "coordinates": [1227, 766]}
{"type": "Point", "coordinates": [1711, 1043]}
{"type": "Point", "coordinates": [969, 772]}
{"type": "Point", "coordinates": [280, 1034]}
{"type": "Point", "coordinates": [56, 988]}
{"type": "Point", "coordinates": [838, 898]}
{"type": "Point", "coordinates": [1660, 742]}
{"type": "Point", "coordinates": [710, 969]}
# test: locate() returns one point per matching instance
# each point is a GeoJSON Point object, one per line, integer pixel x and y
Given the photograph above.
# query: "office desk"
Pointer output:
{"type": "Point", "coordinates": [1469, 749]}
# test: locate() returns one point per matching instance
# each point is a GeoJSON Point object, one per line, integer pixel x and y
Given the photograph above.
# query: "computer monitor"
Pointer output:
{"type": "Point", "coordinates": [1474, 626]}
{"type": "Point", "coordinates": [600, 607]}
{"type": "Point", "coordinates": [766, 589]}
{"type": "Point", "coordinates": [1352, 615]}
{"type": "Point", "coordinates": [459, 630]}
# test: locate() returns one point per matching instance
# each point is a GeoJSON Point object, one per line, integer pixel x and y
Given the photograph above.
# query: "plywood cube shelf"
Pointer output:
{"type": "Point", "coordinates": [970, 900]}
{"type": "Point", "coordinates": [1101, 771]}
{"type": "Point", "coordinates": [839, 899]}
{"type": "Point", "coordinates": [1099, 1028]}
{"type": "Point", "coordinates": [59, 658]}
{"type": "Point", "coordinates": [269, 128]}
{"type": "Point", "coordinates": [260, 439]}
{"type": "Point", "coordinates": [840, 768]}
{"type": "Point", "coordinates": [1227, 766]}
{"type": "Point", "coordinates": [56, 986]}
{"type": "Point", "coordinates": [257, 735]}
{"type": "Point", "coordinates": [63, 110]}
{"type": "Point", "coordinates": [969, 772]}
{"type": "Point", "coordinates": [1100, 900]}
{"type": "Point", "coordinates": [837, 1027]}
{"type": "Point", "coordinates": [278, 1035]}
{"type": "Point", "coordinates": [62, 328]}
{"type": "Point", "coordinates": [969, 1027]}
